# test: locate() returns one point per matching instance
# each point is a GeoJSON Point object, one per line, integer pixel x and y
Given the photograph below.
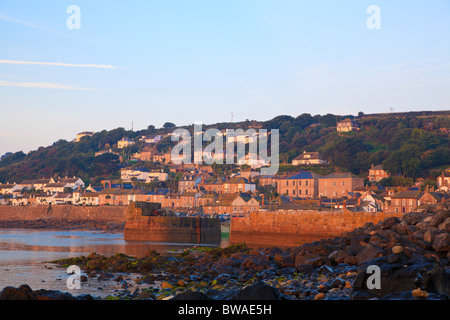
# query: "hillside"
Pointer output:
{"type": "Point", "coordinates": [413, 144]}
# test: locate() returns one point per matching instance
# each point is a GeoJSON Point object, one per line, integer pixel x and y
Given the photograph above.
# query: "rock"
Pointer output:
{"type": "Point", "coordinates": [388, 223]}
{"type": "Point", "coordinates": [370, 252]}
{"type": "Point", "coordinates": [438, 219]}
{"type": "Point", "coordinates": [191, 295]}
{"type": "Point", "coordinates": [308, 258]}
{"type": "Point", "coordinates": [403, 228]}
{"type": "Point", "coordinates": [24, 292]}
{"type": "Point", "coordinates": [44, 294]}
{"type": "Point", "coordinates": [429, 234]}
{"type": "Point", "coordinates": [257, 291]}
{"type": "Point", "coordinates": [397, 249]}
{"type": "Point", "coordinates": [419, 293]}
{"type": "Point", "coordinates": [337, 283]}
{"type": "Point", "coordinates": [319, 296]}
{"type": "Point", "coordinates": [441, 242]}
{"type": "Point", "coordinates": [338, 256]}
{"type": "Point", "coordinates": [445, 225]}
{"type": "Point", "coordinates": [166, 285]}
{"type": "Point", "coordinates": [412, 218]}
{"type": "Point", "coordinates": [398, 277]}
{"type": "Point", "coordinates": [181, 283]}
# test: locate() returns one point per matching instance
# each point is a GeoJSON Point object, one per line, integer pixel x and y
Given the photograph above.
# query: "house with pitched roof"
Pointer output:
{"type": "Point", "coordinates": [309, 158]}
{"type": "Point", "coordinates": [303, 184]}
{"type": "Point", "coordinates": [347, 125]}
{"type": "Point", "coordinates": [237, 184]}
{"type": "Point", "coordinates": [336, 184]}
{"type": "Point", "coordinates": [377, 173]}
{"type": "Point", "coordinates": [125, 142]}
{"type": "Point", "coordinates": [410, 200]}
{"type": "Point", "coordinates": [232, 203]}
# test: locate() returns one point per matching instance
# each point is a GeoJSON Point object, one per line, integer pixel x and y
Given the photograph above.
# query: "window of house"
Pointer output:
{"type": "Point", "coordinates": [306, 182]}
{"type": "Point", "coordinates": [299, 191]}
{"type": "Point", "coordinates": [343, 184]}
{"type": "Point", "coordinates": [403, 201]}
{"type": "Point", "coordinates": [306, 191]}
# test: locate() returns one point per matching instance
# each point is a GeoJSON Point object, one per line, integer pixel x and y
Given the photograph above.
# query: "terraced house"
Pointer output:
{"type": "Point", "coordinates": [336, 184]}
{"type": "Point", "coordinates": [304, 184]}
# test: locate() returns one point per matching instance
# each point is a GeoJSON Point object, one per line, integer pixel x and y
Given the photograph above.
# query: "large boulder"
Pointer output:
{"type": "Point", "coordinates": [24, 292]}
{"type": "Point", "coordinates": [399, 277]}
{"type": "Point", "coordinates": [257, 291]}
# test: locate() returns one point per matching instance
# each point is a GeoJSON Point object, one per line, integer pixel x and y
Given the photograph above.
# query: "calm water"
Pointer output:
{"type": "Point", "coordinates": [23, 256]}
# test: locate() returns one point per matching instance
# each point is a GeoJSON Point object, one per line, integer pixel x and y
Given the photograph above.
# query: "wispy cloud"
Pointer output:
{"type": "Point", "coordinates": [43, 85]}
{"type": "Point", "coordinates": [60, 64]}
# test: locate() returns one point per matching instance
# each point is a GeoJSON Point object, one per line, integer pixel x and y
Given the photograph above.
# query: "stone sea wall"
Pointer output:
{"type": "Point", "coordinates": [172, 229]}
{"type": "Point", "coordinates": [290, 228]}
{"type": "Point", "coordinates": [66, 212]}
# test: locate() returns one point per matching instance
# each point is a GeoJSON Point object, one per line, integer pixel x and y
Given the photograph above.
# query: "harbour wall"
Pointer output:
{"type": "Point", "coordinates": [291, 228]}
{"type": "Point", "coordinates": [66, 212]}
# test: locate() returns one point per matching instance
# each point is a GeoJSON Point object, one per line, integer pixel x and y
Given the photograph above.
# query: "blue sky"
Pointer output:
{"type": "Point", "coordinates": [148, 62]}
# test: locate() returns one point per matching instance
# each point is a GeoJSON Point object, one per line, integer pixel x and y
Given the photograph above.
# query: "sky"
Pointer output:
{"type": "Point", "coordinates": [136, 63]}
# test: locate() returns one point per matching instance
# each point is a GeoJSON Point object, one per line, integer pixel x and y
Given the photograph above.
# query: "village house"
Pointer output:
{"type": "Point", "coordinates": [146, 154]}
{"type": "Point", "coordinates": [214, 185]}
{"type": "Point", "coordinates": [377, 173]}
{"type": "Point", "coordinates": [410, 200]}
{"type": "Point", "coordinates": [39, 184]}
{"type": "Point", "coordinates": [23, 200]}
{"type": "Point", "coordinates": [162, 157]}
{"type": "Point", "coordinates": [9, 188]}
{"type": "Point", "coordinates": [125, 142]}
{"type": "Point", "coordinates": [372, 202]}
{"type": "Point", "coordinates": [157, 174]}
{"type": "Point", "coordinates": [304, 184]}
{"type": "Point", "coordinates": [56, 187]}
{"type": "Point", "coordinates": [86, 198]}
{"type": "Point", "coordinates": [83, 134]}
{"type": "Point", "coordinates": [188, 182]}
{"type": "Point", "coordinates": [44, 199]}
{"type": "Point", "coordinates": [267, 180]}
{"type": "Point", "coordinates": [74, 182]}
{"type": "Point", "coordinates": [336, 184]}
{"type": "Point", "coordinates": [26, 184]}
{"type": "Point", "coordinates": [187, 200]}
{"type": "Point", "coordinates": [347, 125]}
{"type": "Point", "coordinates": [309, 158]}
{"type": "Point", "coordinates": [140, 174]}
{"type": "Point", "coordinates": [237, 184]}
{"type": "Point", "coordinates": [233, 204]}
{"type": "Point", "coordinates": [255, 162]}
{"type": "Point", "coordinates": [151, 139]}
{"type": "Point", "coordinates": [248, 173]}
{"type": "Point", "coordinates": [62, 198]}
{"type": "Point", "coordinates": [443, 181]}
{"type": "Point", "coordinates": [114, 197]}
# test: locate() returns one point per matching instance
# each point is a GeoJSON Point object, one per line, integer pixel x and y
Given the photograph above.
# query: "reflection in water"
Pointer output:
{"type": "Point", "coordinates": [24, 253]}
